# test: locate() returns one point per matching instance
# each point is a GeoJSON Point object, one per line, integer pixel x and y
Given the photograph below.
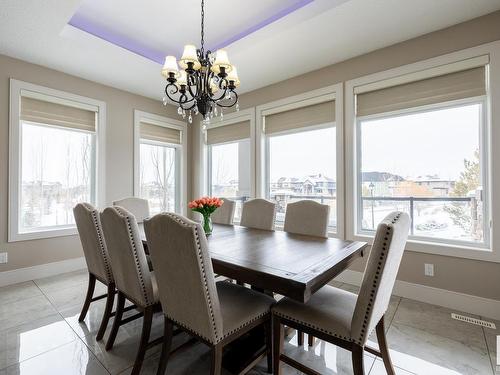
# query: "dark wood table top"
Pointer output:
{"type": "Point", "coordinates": [289, 264]}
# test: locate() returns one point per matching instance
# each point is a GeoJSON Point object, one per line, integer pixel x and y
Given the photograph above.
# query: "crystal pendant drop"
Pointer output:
{"type": "Point", "coordinates": [195, 110]}
{"type": "Point", "coordinates": [221, 115]}
{"type": "Point", "coordinates": [237, 106]}
{"type": "Point", "coordinates": [183, 114]}
{"type": "Point", "coordinates": [179, 111]}
{"type": "Point", "coordinates": [215, 111]}
{"type": "Point", "coordinates": [228, 96]}
{"type": "Point", "coordinates": [164, 100]}
{"type": "Point", "coordinates": [190, 119]}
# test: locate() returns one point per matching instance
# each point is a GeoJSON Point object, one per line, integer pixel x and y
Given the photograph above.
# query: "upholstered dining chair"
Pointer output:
{"type": "Point", "coordinates": [215, 313]}
{"type": "Point", "coordinates": [134, 281]}
{"type": "Point", "coordinates": [137, 206]}
{"type": "Point", "coordinates": [225, 213]}
{"type": "Point", "coordinates": [311, 219]}
{"type": "Point", "coordinates": [96, 255]}
{"type": "Point", "coordinates": [346, 319]}
{"type": "Point", "coordinates": [259, 214]}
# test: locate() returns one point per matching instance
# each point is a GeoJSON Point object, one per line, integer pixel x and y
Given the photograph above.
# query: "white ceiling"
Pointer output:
{"type": "Point", "coordinates": [319, 34]}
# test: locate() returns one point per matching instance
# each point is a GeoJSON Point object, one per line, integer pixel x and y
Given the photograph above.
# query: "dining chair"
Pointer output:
{"type": "Point", "coordinates": [215, 313]}
{"type": "Point", "coordinates": [134, 281]}
{"type": "Point", "coordinates": [225, 213]}
{"type": "Point", "coordinates": [346, 319]}
{"type": "Point", "coordinates": [307, 217]}
{"type": "Point", "coordinates": [88, 224]}
{"type": "Point", "coordinates": [137, 206]}
{"type": "Point", "coordinates": [259, 214]}
{"type": "Point", "coordinates": [311, 219]}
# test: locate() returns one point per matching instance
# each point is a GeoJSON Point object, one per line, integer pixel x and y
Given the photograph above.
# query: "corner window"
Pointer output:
{"type": "Point", "coordinates": [54, 141]}
{"type": "Point", "coordinates": [427, 160]}
{"type": "Point", "coordinates": [159, 164]}
{"type": "Point", "coordinates": [229, 166]}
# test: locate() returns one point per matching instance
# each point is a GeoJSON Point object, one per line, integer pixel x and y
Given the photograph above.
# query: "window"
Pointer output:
{"type": "Point", "coordinates": [159, 164]}
{"type": "Point", "coordinates": [229, 163]}
{"type": "Point", "coordinates": [301, 158]}
{"type": "Point", "coordinates": [425, 155]}
{"type": "Point", "coordinates": [54, 142]}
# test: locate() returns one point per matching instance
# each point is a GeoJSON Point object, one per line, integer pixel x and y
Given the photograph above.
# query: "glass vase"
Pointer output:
{"type": "Point", "coordinates": [207, 225]}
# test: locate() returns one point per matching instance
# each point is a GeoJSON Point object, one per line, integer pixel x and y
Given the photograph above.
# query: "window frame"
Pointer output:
{"type": "Point", "coordinates": [180, 154]}
{"type": "Point", "coordinates": [15, 155]}
{"type": "Point", "coordinates": [329, 93]}
{"type": "Point", "coordinates": [206, 162]}
{"type": "Point", "coordinates": [448, 63]}
{"type": "Point", "coordinates": [484, 165]}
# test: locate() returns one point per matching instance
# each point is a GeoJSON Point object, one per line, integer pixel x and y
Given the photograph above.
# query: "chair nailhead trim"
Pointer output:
{"type": "Point", "coordinates": [390, 227]}
{"type": "Point", "coordinates": [102, 246]}
{"type": "Point", "coordinates": [138, 267]}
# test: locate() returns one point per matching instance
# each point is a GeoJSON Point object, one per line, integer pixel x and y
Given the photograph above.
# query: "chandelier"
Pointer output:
{"type": "Point", "coordinates": [206, 83]}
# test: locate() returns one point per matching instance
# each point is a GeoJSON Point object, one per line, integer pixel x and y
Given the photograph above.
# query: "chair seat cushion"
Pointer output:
{"type": "Point", "coordinates": [329, 310]}
{"type": "Point", "coordinates": [241, 306]}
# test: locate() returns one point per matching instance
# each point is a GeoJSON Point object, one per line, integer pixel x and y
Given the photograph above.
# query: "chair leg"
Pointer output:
{"type": "Point", "coordinates": [88, 298]}
{"type": "Point", "coordinates": [216, 367]}
{"type": "Point", "coordinates": [300, 338]}
{"type": "Point", "coordinates": [110, 299]}
{"type": "Point", "coordinates": [310, 340]}
{"type": "Point", "coordinates": [357, 360]}
{"type": "Point", "coordinates": [116, 323]}
{"type": "Point", "coordinates": [166, 345]}
{"type": "Point", "coordinates": [269, 345]}
{"type": "Point", "coordinates": [143, 344]}
{"type": "Point", "coordinates": [278, 339]}
{"type": "Point", "coordinates": [384, 350]}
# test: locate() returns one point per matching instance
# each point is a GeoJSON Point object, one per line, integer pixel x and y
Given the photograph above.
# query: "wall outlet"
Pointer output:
{"type": "Point", "coordinates": [429, 269]}
{"type": "Point", "coordinates": [3, 258]}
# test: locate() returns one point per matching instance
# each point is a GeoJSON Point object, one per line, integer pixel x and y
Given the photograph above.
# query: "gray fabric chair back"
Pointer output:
{"type": "Point", "coordinates": [258, 213]}
{"type": "Point", "coordinates": [225, 213]}
{"type": "Point", "coordinates": [185, 277]}
{"type": "Point", "coordinates": [128, 260]}
{"type": "Point", "coordinates": [137, 206]}
{"type": "Point", "coordinates": [380, 274]}
{"type": "Point", "coordinates": [89, 228]}
{"type": "Point", "coordinates": [307, 217]}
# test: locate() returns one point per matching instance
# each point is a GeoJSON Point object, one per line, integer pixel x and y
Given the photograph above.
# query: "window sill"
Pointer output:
{"type": "Point", "coordinates": [41, 234]}
{"type": "Point", "coordinates": [436, 248]}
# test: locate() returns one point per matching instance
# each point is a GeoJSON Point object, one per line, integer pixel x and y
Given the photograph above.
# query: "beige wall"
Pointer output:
{"type": "Point", "coordinates": [120, 107]}
{"type": "Point", "coordinates": [457, 274]}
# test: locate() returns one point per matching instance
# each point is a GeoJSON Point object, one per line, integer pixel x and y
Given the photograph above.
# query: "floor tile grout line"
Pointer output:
{"type": "Point", "coordinates": [488, 349]}
{"type": "Point", "coordinates": [77, 337]}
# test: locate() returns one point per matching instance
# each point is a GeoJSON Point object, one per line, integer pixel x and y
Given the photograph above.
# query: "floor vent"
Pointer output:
{"type": "Point", "coordinates": [475, 321]}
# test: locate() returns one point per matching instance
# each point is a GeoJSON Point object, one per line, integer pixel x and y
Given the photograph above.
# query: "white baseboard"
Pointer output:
{"type": "Point", "coordinates": [484, 307]}
{"type": "Point", "coordinates": [43, 270]}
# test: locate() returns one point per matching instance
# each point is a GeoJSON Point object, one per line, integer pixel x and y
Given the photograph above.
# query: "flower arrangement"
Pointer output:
{"type": "Point", "coordinates": [206, 206]}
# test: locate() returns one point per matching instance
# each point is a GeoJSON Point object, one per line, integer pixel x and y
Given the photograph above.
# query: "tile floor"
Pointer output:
{"type": "Point", "coordinates": [40, 334]}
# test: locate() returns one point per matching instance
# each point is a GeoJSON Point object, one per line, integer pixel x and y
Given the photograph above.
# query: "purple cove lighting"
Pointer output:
{"type": "Point", "coordinates": [87, 25]}
{"type": "Point", "coordinates": [262, 24]}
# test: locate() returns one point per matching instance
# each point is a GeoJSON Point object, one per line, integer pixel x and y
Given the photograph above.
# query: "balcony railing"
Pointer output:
{"type": "Point", "coordinates": [412, 201]}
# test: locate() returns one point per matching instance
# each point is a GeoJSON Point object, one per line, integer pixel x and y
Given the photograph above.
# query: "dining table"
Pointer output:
{"type": "Point", "coordinates": [275, 262]}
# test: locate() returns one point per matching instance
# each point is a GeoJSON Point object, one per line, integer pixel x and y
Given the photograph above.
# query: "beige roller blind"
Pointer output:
{"type": "Point", "coordinates": [229, 133]}
{"type": "Point", "coordinates": [49, 113]}
{"type": "Point", "coordinates": [316, 114]}
{"type": "Point", "coordinates": [159, 133]}
{"type": "Point", "coordinates": [453, 86]}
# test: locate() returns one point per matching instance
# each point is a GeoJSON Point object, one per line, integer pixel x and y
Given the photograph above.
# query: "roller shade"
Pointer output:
{"type": "Point", "coordinates": [316, 114]}
{"type": "Point", "coordinates": [453, 86]}
{"type": "Point", "coordinates": [228, 133]}
{"type": "Point", "coordinates": [49, 113]}
{"type": "Point", "coordinates": [160, 133]}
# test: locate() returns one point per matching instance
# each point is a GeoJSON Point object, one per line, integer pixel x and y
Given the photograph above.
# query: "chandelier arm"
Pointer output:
{"type": "Point", "coordinates": [195, 83]}
{"type": "Point", "coordinates": [172, 92]}
{"type": "Point", "coordinates": [235, 100]}
{"type": "Point", "coordinates": [223, 93]}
